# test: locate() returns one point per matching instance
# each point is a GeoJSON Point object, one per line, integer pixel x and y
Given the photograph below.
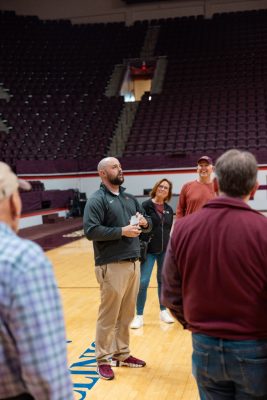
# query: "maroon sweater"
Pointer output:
{"type": "Point", "coordinates": [215, 271]}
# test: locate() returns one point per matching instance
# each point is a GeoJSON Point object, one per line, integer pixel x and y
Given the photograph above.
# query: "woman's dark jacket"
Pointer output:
{"type": "Point", "coordinates": [161, 229]}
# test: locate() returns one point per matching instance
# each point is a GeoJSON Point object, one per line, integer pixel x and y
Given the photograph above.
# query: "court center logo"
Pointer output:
{"type": "Point", "coordinates": [84, 374]}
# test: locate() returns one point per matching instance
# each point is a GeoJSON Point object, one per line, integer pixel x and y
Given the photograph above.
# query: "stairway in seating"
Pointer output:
{"type": "Point", "coordinates": [150, 42]}
{"type": "Point", "coordinates": [123, 129]}
{"type": "Point", "coordinates": [114, 83]}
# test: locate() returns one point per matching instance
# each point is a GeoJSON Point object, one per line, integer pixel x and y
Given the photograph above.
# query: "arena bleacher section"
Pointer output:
{"type": "Point", "coordinates": [214, 94]}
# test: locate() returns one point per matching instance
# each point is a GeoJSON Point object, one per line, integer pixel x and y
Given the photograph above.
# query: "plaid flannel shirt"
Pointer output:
{"type": "Point", "coordinates": [32, 334]}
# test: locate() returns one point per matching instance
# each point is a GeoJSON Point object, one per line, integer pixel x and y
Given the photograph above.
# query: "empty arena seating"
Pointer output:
{"type": "Point", "coordinates": [56, 75]}
{"type": "Point", "coordinates": [214, 92]}
{"type": "Point", "coordinates": [38, 198]}
{"type": "Point", "coordinates": [46, 199]}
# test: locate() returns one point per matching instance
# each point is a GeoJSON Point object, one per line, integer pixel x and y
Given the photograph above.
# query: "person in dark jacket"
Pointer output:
{"type": "Point", "coordinates": [214, 282]}
{"type": "Point", "coordinates": [161, 214]}
{"type": "Point", "coordinates": [113, 220]}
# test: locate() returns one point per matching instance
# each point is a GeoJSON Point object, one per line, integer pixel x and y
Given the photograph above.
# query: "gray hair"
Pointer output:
{"type": "Point", "coordinates": [236, 172]}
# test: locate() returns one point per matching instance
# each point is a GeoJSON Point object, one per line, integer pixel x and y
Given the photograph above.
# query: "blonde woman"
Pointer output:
{"type": "Point", "coordinates": [161, 214]}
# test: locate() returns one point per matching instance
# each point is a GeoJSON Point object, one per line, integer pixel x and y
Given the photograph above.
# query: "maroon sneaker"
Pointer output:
{"type": "Point", "coordinates": [105, 371]}
{"type": "Point", "coordinates": [131, 362]}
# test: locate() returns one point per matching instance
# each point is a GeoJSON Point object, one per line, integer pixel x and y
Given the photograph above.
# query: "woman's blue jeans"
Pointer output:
{"type": "Point", "coordinates": [230, 369]}
{"type": "Point", "coordinates": [145, 275]}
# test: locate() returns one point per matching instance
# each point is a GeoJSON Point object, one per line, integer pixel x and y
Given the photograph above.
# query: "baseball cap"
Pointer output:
{"type": "Point", "coordinates": [9, 182]}
{"type": "Point", "coordinates": [205, 158]}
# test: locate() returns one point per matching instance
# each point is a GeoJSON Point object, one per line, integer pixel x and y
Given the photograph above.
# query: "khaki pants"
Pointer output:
{"type": "Point", "coordinates": [119, 285]}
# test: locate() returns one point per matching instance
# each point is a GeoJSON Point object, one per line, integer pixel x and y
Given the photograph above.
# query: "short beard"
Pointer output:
{"type": "Point", "coordinates": [117, 180]}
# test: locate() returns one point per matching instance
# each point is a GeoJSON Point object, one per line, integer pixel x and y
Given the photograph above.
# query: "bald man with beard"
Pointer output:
{"type": "Point", "coordinates": [113, 220]}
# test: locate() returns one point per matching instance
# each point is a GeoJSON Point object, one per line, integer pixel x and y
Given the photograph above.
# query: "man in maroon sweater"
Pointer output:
{"type": "Point", "coordinates": [215, 284]}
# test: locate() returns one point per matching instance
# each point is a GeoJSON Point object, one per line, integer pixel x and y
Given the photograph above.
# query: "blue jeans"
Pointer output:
{"type": "Point", "coordinates": [230, 369]}
{"type": "Point", "coordinates": [146, 271]}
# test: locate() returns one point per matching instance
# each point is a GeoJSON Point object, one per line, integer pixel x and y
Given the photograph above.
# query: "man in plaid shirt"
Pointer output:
{"type": "Point", "coordinates": [33, 360]}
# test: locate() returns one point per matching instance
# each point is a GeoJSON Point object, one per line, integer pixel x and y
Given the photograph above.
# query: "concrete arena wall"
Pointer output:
{"type": "Point", "coordinates": [135, 183]}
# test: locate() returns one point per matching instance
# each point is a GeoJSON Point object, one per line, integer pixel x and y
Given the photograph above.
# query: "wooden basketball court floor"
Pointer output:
{"type": "Point", "coordinates": [165, 348]}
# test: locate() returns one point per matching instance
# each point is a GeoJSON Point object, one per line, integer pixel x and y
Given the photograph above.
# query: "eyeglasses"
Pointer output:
{"type": "Point", "coordinates": [163, 187]}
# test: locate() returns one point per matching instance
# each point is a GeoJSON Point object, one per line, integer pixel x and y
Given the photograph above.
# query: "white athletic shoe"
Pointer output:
{"type": "Point", "coordinates": [166, 317]}
{"type": "Point", "coordinates": [137, 322]}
